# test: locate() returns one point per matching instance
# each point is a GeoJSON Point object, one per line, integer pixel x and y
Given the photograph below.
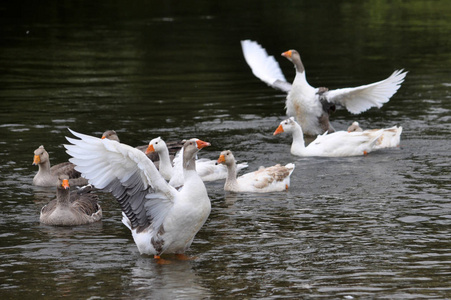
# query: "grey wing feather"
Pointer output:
{"type": "Point", "coordinates": [131, 197]}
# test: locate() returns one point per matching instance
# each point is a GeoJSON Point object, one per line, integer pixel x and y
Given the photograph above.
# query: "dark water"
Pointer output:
{"type": "Point", "coordinates": [349, 228]}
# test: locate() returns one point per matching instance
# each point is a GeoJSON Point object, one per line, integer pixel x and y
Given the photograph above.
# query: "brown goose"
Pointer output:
{"type": "Point", "coordinates": [48, 176]}
{"type": "Point", "coordinates": [173, 146]}
{"type": "Point", "coordinates": [71, 208]}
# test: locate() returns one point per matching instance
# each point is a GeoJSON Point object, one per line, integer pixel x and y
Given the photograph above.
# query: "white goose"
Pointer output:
{"type": "Point", "coordinates": [270, 179]}
{"type": "Point", "coordinates": [208, 170]}
{"type": "Point", "coordinates": [157, 145]}
{"type": "Point", "coordinates": [390, 138]}
{"type": "Point", "coordinates": [312, 106]}
{"type": "Point", "coordinates": [161, 218]}
{"type": "Point", "coordinates": [340, 143]}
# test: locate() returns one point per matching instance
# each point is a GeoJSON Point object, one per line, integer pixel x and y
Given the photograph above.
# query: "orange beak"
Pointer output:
{"type": "Point", "coordinates": [202, 144]}
{"type": "Point", "coordinates": [65, 184]}
{"type": "Point", "coordinates": [36, 160]}
{"type": "Point", "coordinates": [278, 130]}
{"type": "Point", "coordinates": [103, 137]}
{"type": "Point", "coordinates": [150, 149]}
{"type": "Point", "coordinates": [287, 54]}
{"type": "Point", "coordinates": [221, 158]}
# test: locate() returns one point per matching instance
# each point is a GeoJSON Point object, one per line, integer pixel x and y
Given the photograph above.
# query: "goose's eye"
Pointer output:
{"type": "Point", "coordinates": [156, 143]}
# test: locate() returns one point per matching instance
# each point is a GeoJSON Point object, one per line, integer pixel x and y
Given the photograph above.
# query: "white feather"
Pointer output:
{"type": "Point", "coordinates": [340, 143]}
{"type": "Point", "coordinates": [175, 216]}
{"type": "Point", "coordinates": [264, 66]}
{"type": "Point", "coordinates": [362, 98]}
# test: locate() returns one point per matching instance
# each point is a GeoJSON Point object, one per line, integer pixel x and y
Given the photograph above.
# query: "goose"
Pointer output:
{"type": "Point", "coordinates": [339, 143]}
{"type": "Point", "coordinates": [162, 219]}
{"type": "Point", "coordinates": [71, 208]}
{"type": "Point", "coordinates": [48, 176]}
{"type": "Point", "coordinates": [390, 138]}
{"type": "Point", "coordinates": [159, 147]}
{"type": "Point", "coordinates": [312, 106]}
{"type": "Point", "coordinates": [173, 146]}
{"type": "Point", "coordinates": [270, 179]}
{"type": "Point", "coordinates": [208, 170]}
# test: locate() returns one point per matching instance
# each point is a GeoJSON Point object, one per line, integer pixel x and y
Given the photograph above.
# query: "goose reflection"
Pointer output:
{"type": "Point", "coordinates": [150, 280]}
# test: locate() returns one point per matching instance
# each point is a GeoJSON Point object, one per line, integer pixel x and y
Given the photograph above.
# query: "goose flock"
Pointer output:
{"type": "Point", "coordinates": [160, 187]}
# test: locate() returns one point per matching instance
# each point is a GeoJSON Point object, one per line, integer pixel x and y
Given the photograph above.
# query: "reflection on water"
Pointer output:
{"type": "Point", "coordinates": [361, 227]}
{"type": "Point", "coordinates": [174, 281]}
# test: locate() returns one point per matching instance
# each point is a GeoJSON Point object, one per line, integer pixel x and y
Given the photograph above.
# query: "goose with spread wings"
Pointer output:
{"type": "Point", "coordinates": [312, 106]}
{"type": "Point", "coordinates": [162, 219]}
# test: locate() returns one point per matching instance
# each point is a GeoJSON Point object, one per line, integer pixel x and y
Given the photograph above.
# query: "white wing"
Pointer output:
{"type": "Point", "coordinates": [264, 66]}
{"type": "Point", "coordinates": [362, 98]}
{"type": "Point", "coordinates": [127, 173]}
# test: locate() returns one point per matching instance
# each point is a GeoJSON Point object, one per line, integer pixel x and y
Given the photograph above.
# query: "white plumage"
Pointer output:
{"type": "Point", "coordinates": [162, 219]}
{"type": "Point", "coordinates": [264, 66]}
{"type": "Point", "coordinates": [361, 98]}
{"type": "Point", "coordinates": [311, 106]}
{"type": "Point", "coordinates": [270, 179]}
{"type": "Point", "coordinates": [340, 143]}
{"type": "Point", "coordinates": [391, 137]}
{"type": "Point", "coordinates": [208, 170]}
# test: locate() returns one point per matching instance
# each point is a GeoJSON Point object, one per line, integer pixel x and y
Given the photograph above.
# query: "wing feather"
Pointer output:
{"type": "Point", "coordinates": [264, 66]}
{"type": "Point", "coordinates": [362, 98]}
{"type": "Point", "coordinates": [127, 173]}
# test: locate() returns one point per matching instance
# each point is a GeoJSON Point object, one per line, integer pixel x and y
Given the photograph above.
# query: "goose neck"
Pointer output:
{"type": "Point", "coordinates": [298, 138]}
{"type": "Point", "coordinates": [231, 175]}
{"type": "Point", "coordinates": [63, 197]}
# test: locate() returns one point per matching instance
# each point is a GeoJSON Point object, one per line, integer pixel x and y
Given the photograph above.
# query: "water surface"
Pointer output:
{"type": "Point", "coordinates": [362, 227]}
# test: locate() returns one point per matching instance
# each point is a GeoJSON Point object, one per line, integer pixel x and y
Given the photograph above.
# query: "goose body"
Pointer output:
{"type": "Point", "coordinates": [390, 138]}
{"type": "Point", "coordinates": [340, 143]}
{"type": "Point", "coordinates": [312, 106]}
{"type": "Point", "coordinates": [270, 179]}
{"type": "Point", "coordinates": [208, 170]}
{"type": "Point", "coordinates": [71, 208]}
{"type": "Point", "coordinates": [161, 218]}
{"type": "Point", "coordinates": [48, 176]}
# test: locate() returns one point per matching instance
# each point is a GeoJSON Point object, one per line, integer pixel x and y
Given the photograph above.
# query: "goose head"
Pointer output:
{"type": "Point", "coordinates": [287, 125]}
{"type": "Point", "coordinates": [354, 127]}
{"type": "Point", "coordinates": [40, 156]}
{"type": "Point", "coordinates": [295, 58]}
{"type": "Point", "coordinates": [226, 158]}
{"type": "Point", "coordinates": [63, 182]}
{"type": "Point", "coordinates": [111, 135]}
{"type": "Point", "coordinates": [156, 145]}
{"type": "Point", "coordinates": [190, 149]}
